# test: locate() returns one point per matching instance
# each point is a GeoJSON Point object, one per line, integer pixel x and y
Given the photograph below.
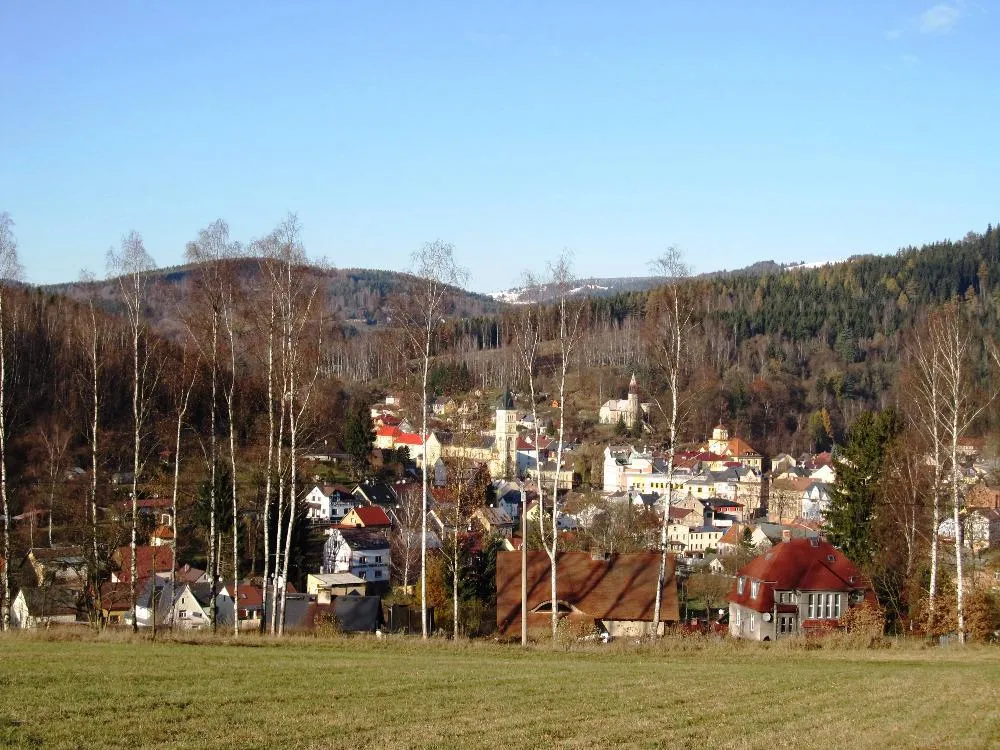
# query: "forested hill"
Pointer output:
{"type": "Point", "coordinates": [780, 353]}
{"type": "Point", "coordinates": [854, 300]}
{"type": "Point", "coordinates": [356, 294]}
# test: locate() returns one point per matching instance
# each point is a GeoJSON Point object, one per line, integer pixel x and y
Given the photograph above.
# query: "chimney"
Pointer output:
{"type": "Point", "coordinates": [786, 535]}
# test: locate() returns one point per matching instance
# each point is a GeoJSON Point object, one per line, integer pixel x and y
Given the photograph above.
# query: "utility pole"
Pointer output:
{"type": "Point", "coordinates": [524, 566]}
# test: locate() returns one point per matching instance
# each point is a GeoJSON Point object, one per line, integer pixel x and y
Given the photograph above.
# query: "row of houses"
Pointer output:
{"type": "Point", "coordinates": [795, 587]}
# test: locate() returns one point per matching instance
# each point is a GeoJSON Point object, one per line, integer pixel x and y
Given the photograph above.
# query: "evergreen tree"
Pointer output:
{"type": "Point", "coordinates": [854, 498]}
{"type": "Point", "coordinates": [620, 429]}
{"type": "Point", "coordinates": [359, 437]}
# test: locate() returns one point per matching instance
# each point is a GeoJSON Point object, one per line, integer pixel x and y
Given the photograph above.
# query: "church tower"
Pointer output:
{"type": "Point", "coordinates": [633, 414]}
{"type": "Point", "coordinates": [719, 443]}
{"type": "Point", "coordinates": [506, 432]}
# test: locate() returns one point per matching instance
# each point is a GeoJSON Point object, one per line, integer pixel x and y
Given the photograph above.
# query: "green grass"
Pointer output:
{"type": "Point", "coordinates": [395, 694]}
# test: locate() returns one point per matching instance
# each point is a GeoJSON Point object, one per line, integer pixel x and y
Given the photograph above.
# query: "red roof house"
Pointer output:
{"type": "Point", "coordinates": [799, 585]}
{"type": "Point", "coordinates": [367, 517]}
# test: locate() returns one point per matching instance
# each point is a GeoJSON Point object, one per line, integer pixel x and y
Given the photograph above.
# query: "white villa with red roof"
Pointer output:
{"type": "Point", "coordinates": [798, 586]}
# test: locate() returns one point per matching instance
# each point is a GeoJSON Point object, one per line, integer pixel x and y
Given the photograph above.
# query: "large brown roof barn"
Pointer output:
{"type": "Point", "coordinates": [615, 592]}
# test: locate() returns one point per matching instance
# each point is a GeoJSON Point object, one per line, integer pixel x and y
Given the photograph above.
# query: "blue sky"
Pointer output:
{"type": "Point", "coordinates": [740, 131]}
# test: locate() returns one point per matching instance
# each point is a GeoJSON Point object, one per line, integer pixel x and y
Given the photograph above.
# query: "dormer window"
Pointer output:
{"type": "Point", "coordinates": [740, 585]}
{"type": "Point", "coordinates": [754, 589]}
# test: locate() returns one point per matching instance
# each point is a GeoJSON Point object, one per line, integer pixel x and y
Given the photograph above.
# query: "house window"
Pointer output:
{"type": "Point", "coordinates": [740, 584]}
{"type": "Point", "coordinates": [738, 619]}
{"type": "Point", "coordinates": [378, 573]}
{"type": "Point", "coordinates": [362, 574]}
{"type": "Point", "coordinates": [836, 606]}
{"type": "Point", "coordinates": [754, 589]}
{"type": "Point", "coordinates": [362, 560]}
{"type": "Point", "coordinates": [812, 606]}
{"type": "Point", "coordinates": [378, 558]}
{"type": "Point", "coordinates": [785, 624]}
{"type": "Point", "coordinates": [753, 621]}
{"type": "Point", "coordinates": [182, 613]}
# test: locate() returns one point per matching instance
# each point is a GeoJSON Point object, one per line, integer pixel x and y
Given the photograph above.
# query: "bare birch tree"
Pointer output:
{"type": "Point", "coordinates": [10, 270]}
{"type": "Point", "coordinates": [297, 326]}
{"type": "Point", "coordinates": [437, 274]}
{"type": "Point", "coordinates": [93, 386]}
{"type": "Point", "coordinates": [927, 396]}
{"type": "Point", "coordinates": [952, 339]}
{"type": "Point", "coordinates": [210, 253]}
{"type": "Point", "coordinates": [228, 317]}
{"type": "Point", "coordinates": [527, 337]}
{"type": "Point", "coordinates": [132, 265]}
{"type": "Point", "coordinates": [189, 377]}
{"type": "Point", "coordinates": [569, 312]}
{"type": "Point", "coordinates": [671, 323]}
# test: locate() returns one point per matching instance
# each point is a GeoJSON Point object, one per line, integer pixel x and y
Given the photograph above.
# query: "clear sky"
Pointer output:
{"type": "Point", "coordinates": [740, 131]}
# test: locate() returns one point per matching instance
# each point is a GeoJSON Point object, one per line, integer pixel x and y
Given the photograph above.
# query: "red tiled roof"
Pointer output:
{"type": "Point", "coordinates": [410, 438]}
{"type": "Point", "coordinates": [619, 587]}
{"type": "Point", "coordinates": [739, 447]}
{"type": "Point", "coordinates": [805, 564]}
{"type": "Point", "coordinates": [147, 561]}
{"type": "Point", "coordinates": [372, 515]}
{"type": "Point", "coordinates": [388, 431]}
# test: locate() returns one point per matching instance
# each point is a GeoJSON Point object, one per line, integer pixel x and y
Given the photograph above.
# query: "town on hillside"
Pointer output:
{"type": "Point", "coordinates": [255, 443]}
{"type": "Point", "coordinates": [748, 547]}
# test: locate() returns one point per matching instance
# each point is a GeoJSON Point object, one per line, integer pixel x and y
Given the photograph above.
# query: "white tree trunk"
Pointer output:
{"type": "Point", "coordinates": [423, 488]}
{"type": "Point", "coordinates": [5, 601]}
{"type": "Point", "coordinates": [94, 426]}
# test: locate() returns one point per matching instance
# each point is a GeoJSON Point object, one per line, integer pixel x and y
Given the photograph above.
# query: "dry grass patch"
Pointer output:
{"type": "Point", "coordinates": [395, 693]}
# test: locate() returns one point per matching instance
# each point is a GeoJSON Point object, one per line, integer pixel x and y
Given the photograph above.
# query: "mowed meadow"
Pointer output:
{"type": "Point", "coordinates": [394, 693]}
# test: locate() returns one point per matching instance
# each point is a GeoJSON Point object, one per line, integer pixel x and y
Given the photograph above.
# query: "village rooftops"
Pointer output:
{"type": "Point", "coordinates": [362, 539]}
{"type": "Point", "coordinates": [373, 492]}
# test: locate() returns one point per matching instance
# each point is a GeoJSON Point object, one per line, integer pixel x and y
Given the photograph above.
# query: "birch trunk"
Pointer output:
{"type": "Point", "coordinates": [5, 601]}
{"type": "Point", "coordinates": [94, 426]}
{"type": "Point", "coordinates": [230, 412]}
{"type": "Point", "coordinates": [135, 476]}
{"type": "Point", "coordinates": [423, 488]}
{"type": "Point", "coordinates": [270, 469]}
{"type": "Point", "coordinates": [181, 411]}
{"type": "Point", "coordinates": [213, 565]}
{"type": "Point", "coordinates": [674, 366]}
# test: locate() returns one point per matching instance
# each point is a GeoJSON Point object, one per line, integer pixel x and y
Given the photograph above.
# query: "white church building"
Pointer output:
{"type": "Point", "coordinates": [625, 409]}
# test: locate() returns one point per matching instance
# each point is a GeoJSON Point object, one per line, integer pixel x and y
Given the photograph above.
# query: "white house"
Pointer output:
{"type": "Point", "coordinates": [980, 528]}
{"type": "Point", "coordinates": [694, 539]}
{"type": "Point", "coordinates": [328, 503]}
{"type": "Point", "coordinates": [44, 606]}
{"type": "Point", "coordinates": [364, 553]}
{"type": "Point", "coordinates": [815, 501]}
{"type": "Point", "coordinates": [825, 473]}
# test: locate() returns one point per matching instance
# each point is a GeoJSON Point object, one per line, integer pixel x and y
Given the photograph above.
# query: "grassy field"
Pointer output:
{"type": "Point", "coordinates": [396, 694]}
